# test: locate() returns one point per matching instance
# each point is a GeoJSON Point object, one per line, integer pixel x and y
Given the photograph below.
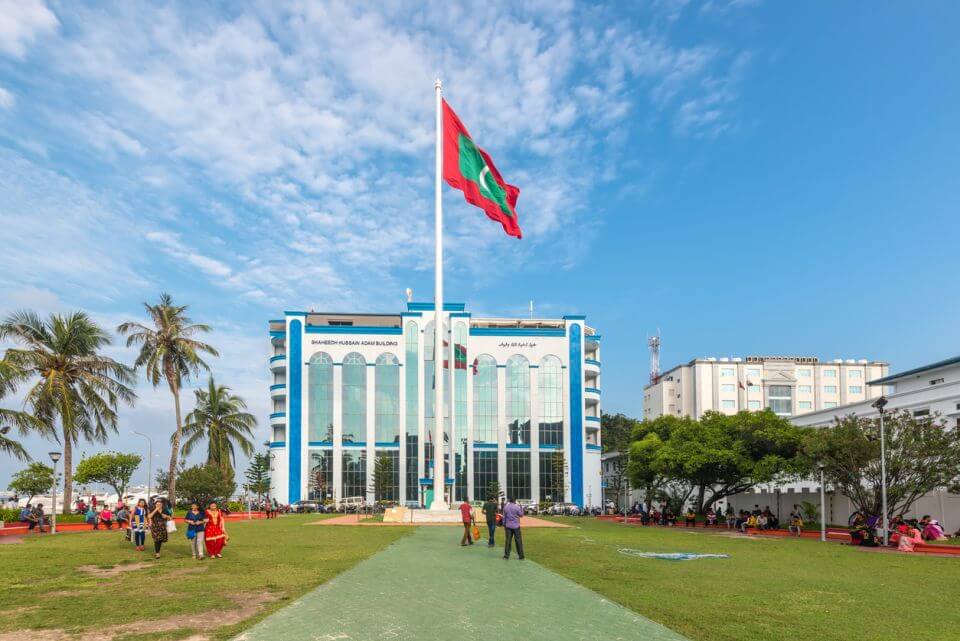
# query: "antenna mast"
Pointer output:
{"type": "Point", "coordinates": [654, 344]}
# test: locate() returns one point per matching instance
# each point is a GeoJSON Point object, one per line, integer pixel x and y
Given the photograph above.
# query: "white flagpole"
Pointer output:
{"type": "Point", "coordinates": [439, 474]}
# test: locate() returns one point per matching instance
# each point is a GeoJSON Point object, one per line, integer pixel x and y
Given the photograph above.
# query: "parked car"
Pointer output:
{"type": "Point", "coordinates": [304, 507]}
{"type": "Point", "coordinates": [564, 509]}
{"type": "Point", "coordinates": [351, 504]}
{"type": "Point", "coordinates": [529, 507]}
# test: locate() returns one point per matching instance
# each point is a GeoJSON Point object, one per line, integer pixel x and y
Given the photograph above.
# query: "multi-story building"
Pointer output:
{"type": "Point", "coordinates": [521, 406]}
{"type": "Point", "coordinates": [789, 385]}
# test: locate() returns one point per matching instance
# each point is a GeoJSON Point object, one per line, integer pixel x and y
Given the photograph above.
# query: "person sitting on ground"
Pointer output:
{"type": "Point", "coordinates": [669, 518]}
{"type": "Point", "coordinates": [933, 531]}
{"type": "Point", "coordinates": [762, 522]}
{"type": "Point", "coordinates": [92, 518]}
{"type": "Point", "coordinates": [796, 524]}
{"type": "Point", "coordinates": [752, 520]}
{"type": "Point", "coordinates": [690, 518]}
{"type": "Point", "coordinates": [655, 516]}
{"type": "Point", "coordinates": [106, 517]}
{"type": "Point", "coordinates": [743, 521]}
{"type": "Point", "coordinates": [711, 518]}
{"type": "Point", "coordinates": [909, 538]}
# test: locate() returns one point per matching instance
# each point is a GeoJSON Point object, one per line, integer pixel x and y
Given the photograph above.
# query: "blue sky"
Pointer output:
{"type": "Point", "coordinates": [750, 177]}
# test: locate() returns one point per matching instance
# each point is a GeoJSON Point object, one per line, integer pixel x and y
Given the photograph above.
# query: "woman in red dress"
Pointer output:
{"type": "Point", "coordinates": [214, 534]}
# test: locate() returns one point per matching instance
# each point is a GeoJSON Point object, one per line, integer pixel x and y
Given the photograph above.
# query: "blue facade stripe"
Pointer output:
{"type": "Point", "coordinates": [595, 419]}
{"type": "Point", "coordinates": [594, 448]}
{"type": "Point", "coordinates": [484, 446]}
{"type": "Point", "coordinates": [516, 331]}
{"type": "Point", "coordinates": [550, 446]}
{"type": "Point", "coordinates": [295, 378]}
{"type": "Point", "coordinates": [278, 357]}
{"type": "Point", "coordinates": [518, 446]}
{"type": "Point", "coordinates": [356, 445]}
{"type": "Point", "coordinates": [590, 361]}
{"type": "Point", "coordinates": [276, 444]}
{"type": "Point", "coordinates": [278, 415]}
{"type": "Point", "coordinates": [387, 444]}
{"type": "Point", "coordinates": [594, 390]}
{"type": "Point", "coordinates": [576, 415]}
{"type": "Point", "coordinates": [320, 443]}
{"type": "Point", "coordinates": [278, 386]}
{"type": "Point", "coordinates": [278, 335]}
{"type": "Point", "coordinates": [353, 329]}
{"type": "Point", "coordinates": [429, 307]}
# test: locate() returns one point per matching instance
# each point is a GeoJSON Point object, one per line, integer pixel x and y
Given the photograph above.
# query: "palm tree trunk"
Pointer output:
{"type": "Point", "coordinates": [175, 449]}
{"type": "Point", "coordinates": [67, 476]}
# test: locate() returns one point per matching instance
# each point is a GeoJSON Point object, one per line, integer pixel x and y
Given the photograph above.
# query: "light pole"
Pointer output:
{"type": "Point", "coordinates": [879, 404]}
{"type": "Point", "coordinates": [823, 507]}
{"type": "Point", "coordinates": [149, 461]}
{"type": "Point", "coordinates": [54, 456]}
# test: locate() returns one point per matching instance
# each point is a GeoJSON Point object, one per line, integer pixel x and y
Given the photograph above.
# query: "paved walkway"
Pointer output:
{"type": "Point", "coordinates": [427, 587]}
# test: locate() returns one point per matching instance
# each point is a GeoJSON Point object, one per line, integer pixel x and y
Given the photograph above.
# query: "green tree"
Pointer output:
{"type": "Point", "coordinates": [494, 493]}
{"type": "Point", "coordinates": [36, 479]}
{"type": "Point", "coordinates": [557, 486]}
{"type": "Point", "coordinates": [73, 385]}
{"type": "Point", "coordinates": [110, 468]}
{"type": "Point", "coordinates": [645, 470]}
{"type": "Point", "coordinates": [205, 483]}
{"type": "Point", "coordinates": [719, 455]}
{"type": "Point", "coordinates": [220, 419]}
{"type": "Point", "coordinates": [258, 476]}
{"type": "Point", "coordinates": [617, 437]}
{"type": "Point", "coordinates": [923, 455]}
{"type": "Point", "coordinates": [10, 376]}
{"type": "Point", "coordinates": [383, 479]}
{"type": "Point", "coordinates": [169, 352]}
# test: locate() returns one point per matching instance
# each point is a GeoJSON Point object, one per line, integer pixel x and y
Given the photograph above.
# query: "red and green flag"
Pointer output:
{"type": "Point", "coordinates": [470, 169]}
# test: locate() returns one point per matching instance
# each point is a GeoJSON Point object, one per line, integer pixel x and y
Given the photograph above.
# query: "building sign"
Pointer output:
{"type": "Point", "coordinates": [516, 344]}
{"type": "Point", "coordinates": [352, 342]}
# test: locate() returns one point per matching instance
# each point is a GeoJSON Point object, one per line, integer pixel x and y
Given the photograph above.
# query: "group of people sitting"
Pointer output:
{"type": "Point", "coordinates": [904, 534]}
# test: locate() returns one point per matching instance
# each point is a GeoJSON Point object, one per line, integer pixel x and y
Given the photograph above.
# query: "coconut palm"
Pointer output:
{"type": "Point", "coordinates": [10, 376]}
{"type": "Point", "coordinates": [220, 419]}
{"type": "Point", "coordinates": [76, 387]}
{"type": "Point", "coordinates": [169, 352]}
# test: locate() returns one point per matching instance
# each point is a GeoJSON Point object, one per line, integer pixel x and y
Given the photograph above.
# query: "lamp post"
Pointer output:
{"type": "Point", "coordinates": [54, 456]}
{"type": "Point", "coordinates": [823, 507]}
{"type": "Point", "coordinates": [149, 461]}
{"type": "Point", "coordinates": [879, 404]}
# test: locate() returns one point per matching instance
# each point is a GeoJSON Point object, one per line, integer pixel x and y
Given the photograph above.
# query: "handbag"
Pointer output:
{"type": "Point", "coordinates": [191, 534]}
{"type": "Point", "coordinates": [476, 532]}
{"type": "Point", "coordinates": [171, 526]}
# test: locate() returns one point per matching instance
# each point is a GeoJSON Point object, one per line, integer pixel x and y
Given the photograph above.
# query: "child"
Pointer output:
{"type": "Point", "coordinates": [690, 518]}
{"type": "Point", "coordinates": [796, 524]}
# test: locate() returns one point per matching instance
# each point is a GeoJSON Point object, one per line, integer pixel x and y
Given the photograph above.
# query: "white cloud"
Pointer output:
{"type": "Point", "coordinates": [7, 99]}
{"type": "Point", "coordinates": [21, 22]}
{"type": "Point", "coordinates": [170, 243]}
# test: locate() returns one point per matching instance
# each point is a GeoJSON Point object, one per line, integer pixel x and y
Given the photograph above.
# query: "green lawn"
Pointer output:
{"type": "Point", "coordinates": [801, 590]}
{"type": "Point", "coordinates": [266, 564]}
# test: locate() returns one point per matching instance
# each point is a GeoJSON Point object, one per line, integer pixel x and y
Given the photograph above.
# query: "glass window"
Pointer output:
{"type": "Point", "coordinates": [354, 480]}
{"type": "Point", "coordinates": [780, 399]}
{"type": "Point", "coordinates": [726, 371]}
{"type": "Point", "coordinates": [728, 405]}
{"type": "Point", "coordinates": [753, 405]}
{"type": "Point", "coordinates": [755, 373]}
{"type": "Point", "coordinates": [829, 405]}
{"type": "Point", "coordinates": [552, 485]}
{"type": "Point", "coordinates": [354, 399]}
{"type": "Point", "coordinates": [854, 373]}
{"type": "Point", "coordinates": [484, 473]}
{"type": "Point", "coordinates": [412, 370]}
{"type": "Point", "coordinates": [728, 387]}
{"type": "Point", "coordinates": [518, 401]}
{"type": "Point", "coordinates": [278, 433]}
{"type": "Point", "coordinates": [429, 384]}
{"type": "Point", "coordinates": [804, 389]}
{"type": "Point", "coordinates": [829, 373]}
{"type": "Point", "coordinates": [753, 388]}
{"type": "Point", "coordinates": [518, 475]}
{"type": "Point", "coordinates": [387, 466]}
{"type": "Point", "coordinates": [856, 389]}
{"type": "Point", "coordinates": [460, 379]}
{"type": "Point", "coordinates": [805, 405]}
{"type": "Point", "coordinates": [320, 483]}
{"type": "Point", "coordinates": [829, 389]}
{"type": "Point", "coordinates": [387, 399]}
{"type": "Point", "coordinates": [484, 399]}
{"type": "Point", "coordinates": [413, 478]}
{"type": "Point", "coordinates": [460, 469]}
{"type": "Point", "coordinates": [803, 373]}
{"type": "Point", "coordinates": [550, 393]}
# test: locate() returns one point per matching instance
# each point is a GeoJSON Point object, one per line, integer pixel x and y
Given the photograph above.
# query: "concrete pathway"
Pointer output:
{"type": "Point", "coordinates": [427, 587]}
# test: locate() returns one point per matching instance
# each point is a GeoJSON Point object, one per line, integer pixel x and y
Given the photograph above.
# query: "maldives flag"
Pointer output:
{"type": "Point", "coordinates": [468, 168]}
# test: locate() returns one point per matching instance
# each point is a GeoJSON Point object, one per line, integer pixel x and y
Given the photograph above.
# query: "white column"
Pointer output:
{"type": "Point", "coordinates": [502, 427]}
{"type": "Point", "coordinates": [371, 430]}
{"type": "Point", "coordinates": [337, 432]}
{"type": "Point", "coordinates": [535, 433]}
{"type": "Point", "coordinates": [402, 400]}
{"type": "Point", "coordinates": [565, 375]}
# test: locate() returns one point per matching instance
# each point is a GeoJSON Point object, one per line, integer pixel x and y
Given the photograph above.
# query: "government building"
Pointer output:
{"type": "Point", "coordinates": [789, 385]}
{"type": "Point", "coordinates": [354, 392]}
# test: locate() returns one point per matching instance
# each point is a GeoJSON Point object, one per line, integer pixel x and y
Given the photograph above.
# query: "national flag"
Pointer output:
{"type": "Point", "coordinates": [470, 169]}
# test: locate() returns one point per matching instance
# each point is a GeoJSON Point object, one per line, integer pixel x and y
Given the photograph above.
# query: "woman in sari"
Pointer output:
{"type": "Point", "coordinates": [909, 538]}
{"type": "Point", "coordinates": [215, 535]}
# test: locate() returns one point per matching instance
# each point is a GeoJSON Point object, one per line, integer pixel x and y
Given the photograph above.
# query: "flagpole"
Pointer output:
{"type": "Point", "coordinates": [439, 474]}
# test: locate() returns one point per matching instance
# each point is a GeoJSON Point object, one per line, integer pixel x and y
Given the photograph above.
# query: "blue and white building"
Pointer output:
{"type": "Point", "coordinates": [522, 405]}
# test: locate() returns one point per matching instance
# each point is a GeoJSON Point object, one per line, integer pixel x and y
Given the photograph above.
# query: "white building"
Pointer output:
{"type": "Point", "coordinates": [351, 388]}
{"type": "Point", "coordinates": [789, 385]}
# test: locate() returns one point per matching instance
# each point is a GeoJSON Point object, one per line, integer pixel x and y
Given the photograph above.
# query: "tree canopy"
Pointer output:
{"type": "Point", "coordinates": [205, 483]}
{"type": "Point", "coordinates": [110, 468]}
{"type": "Point", "coordinates": [36, 479]}
{"type": "Point", "coordinates": [258, 475]}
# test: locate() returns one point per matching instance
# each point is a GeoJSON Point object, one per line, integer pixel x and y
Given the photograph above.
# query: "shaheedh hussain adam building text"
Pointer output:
{"type": "Point", "coordinates": [522, 406]}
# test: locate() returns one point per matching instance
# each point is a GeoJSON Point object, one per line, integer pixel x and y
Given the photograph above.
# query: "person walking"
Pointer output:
{"type": "Point", "coordinates": [196, 522]}
{"type": "Point", "coordinates": [490, 512]}
{"type": "Point", "coordinates": [138, 524]}
{"type": "Point", "coordinates": [511, 525]}
{"type": "Point", "coordinates": [158, 518]}
{"type": "Point", "coordinates": [215, 534]}
{"type": "Point", "coordinates": [466, 514]}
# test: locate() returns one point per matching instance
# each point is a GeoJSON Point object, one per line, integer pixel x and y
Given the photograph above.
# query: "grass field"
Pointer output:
{"type": "Point", "coordinates": [266, 564]}
{"type": "Point", "coordinates": [801, 590]}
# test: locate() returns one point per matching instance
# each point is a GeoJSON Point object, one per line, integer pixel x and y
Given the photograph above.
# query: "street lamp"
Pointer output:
{"type": "Point", "coordinates": [149, 461]}
{"type": "Point", "coordinates": [879, 404]}
{"type": "Point", "coordinates": [54, 456]}
{"type": "Point", "coordinates": [823, 507]}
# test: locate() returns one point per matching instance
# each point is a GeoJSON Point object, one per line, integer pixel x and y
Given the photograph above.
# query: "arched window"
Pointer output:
{"type": "Point", "coordinates": [412, 372]}
{"type": "Point", "coordinates": [518, 400]}
{"type": "Point", "coordinates": [320, 399]}
{"type": "Point", "coordinates": [459, 448]}
{"type": "Point", "coordinates": [387, 399]}
{"type": "Point", "coordinates": [484, 399]}
{"type": "Point", "coordinates": [354, 398]}
{"type": "Point", "coordinates": [429, 384]}
{"type": "Point", "coordinates": [550, 395]}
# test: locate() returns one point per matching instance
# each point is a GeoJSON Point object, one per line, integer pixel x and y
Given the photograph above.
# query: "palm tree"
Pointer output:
{"type": "Point", "coordinates": [219, 418]}
{"type": "Point", "coordinates": [169, 352]}
{"type": "Point", "coordinates": [10, 376]}
{"type": "Point", "coordinates": [76, 386]}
